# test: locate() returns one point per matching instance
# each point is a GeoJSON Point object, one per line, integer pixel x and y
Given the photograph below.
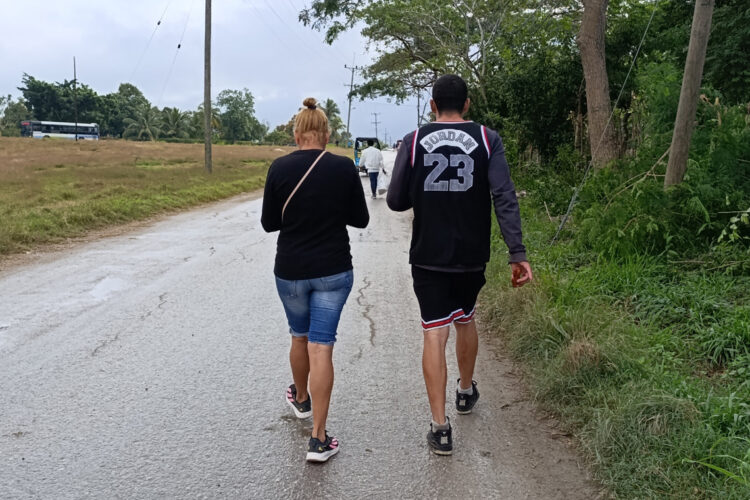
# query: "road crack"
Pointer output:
{"type": "Point", "coordinates": [366, 308]}
{"type": "Point", "coordinates": [104, 344]}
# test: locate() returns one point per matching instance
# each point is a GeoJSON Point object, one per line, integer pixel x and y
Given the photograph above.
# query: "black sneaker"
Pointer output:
{"type": "Point", "coordinates": [441, 442]}
{"type": "Point", "coordinates": [465, 402]}
{"type": "Point", "coordinates": [303, 409]}
{"type": "Point", "coordinates": [321, 451]}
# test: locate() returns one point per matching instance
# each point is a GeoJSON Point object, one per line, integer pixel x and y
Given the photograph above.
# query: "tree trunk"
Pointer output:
{"type": "Point", "coordinates": [591, 43]}
{"type": "Point", "coordinates": [691, 85]}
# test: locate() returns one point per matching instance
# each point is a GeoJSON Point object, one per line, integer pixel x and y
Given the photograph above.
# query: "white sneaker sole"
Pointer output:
{"type": "Point", "coordinates": [321, 457]}
{"type": "Point", "coordinates": [441, 452]}
{"type": "Point", "coordinates": [300, 414]}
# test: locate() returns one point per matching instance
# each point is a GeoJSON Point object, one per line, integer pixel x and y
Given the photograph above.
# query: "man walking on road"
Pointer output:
{"type": "Point", "coordinates": [372, 160]}
{"type": "Point", "coordinates": [446, 172]}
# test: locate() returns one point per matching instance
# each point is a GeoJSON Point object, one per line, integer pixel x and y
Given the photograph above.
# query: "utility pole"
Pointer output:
{"type": "Point", "coordinates": [351, 90]}
{"type": "Point", "coordinates": [75, 96]}
{"type": "Point", "coordinates": [419, 109]}
{"type": "Point", "coordinates": [376, 122]}
{"type": "Point", "coordinates": [207, 88]}
{"type": "Point", "coordinates": [691, 86]}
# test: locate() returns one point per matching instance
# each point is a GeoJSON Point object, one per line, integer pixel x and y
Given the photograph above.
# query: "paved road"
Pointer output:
{"type": "Point", "coordinates": [153, 365]}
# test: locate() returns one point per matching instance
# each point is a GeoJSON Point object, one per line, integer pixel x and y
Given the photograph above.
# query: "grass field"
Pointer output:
{"type": "Point", "coordinates": [51, 190]}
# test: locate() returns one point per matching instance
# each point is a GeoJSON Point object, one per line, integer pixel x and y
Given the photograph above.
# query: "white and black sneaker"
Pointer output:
{"type": "Point", "coordinates": [465, 402]}
{"type": "Point", "coordinates": [441, 441]}
{"type": "Point", "coordinates": [321, 451]}
{"type": "Point", "coordinates": [303, 409]}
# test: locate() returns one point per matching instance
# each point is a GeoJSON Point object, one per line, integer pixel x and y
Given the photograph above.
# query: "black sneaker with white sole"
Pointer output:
{"type": "Point", "coordinates": [303, 409]}
{"type": "Point", "coordinates": [465, 402]}
{"type": "Point", "coordinates": [441, 442]}
{"type": "Point", "coordinates": [321, 451]}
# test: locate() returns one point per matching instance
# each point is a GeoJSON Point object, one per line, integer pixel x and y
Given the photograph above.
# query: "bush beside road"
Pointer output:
{"type": "Point", "coordinates": [627, 355]}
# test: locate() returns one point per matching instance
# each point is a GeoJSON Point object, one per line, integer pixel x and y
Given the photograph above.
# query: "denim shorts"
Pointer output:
{"type": "Point", "coordinates": [313, 307]}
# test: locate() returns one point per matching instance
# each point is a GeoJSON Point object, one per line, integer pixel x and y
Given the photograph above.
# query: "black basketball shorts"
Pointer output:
{"type": "Point", "coordinates": [445, 297]}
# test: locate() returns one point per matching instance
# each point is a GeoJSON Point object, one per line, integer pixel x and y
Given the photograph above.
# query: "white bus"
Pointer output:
{"type": "Point", "coordinates": [59, 130]}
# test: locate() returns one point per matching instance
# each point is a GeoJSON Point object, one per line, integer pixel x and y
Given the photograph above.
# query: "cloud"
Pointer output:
{"type": "Point", "coordinates": [257, 44]}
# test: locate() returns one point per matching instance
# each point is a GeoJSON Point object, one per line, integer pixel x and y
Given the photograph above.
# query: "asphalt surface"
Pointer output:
{"type": "Point", "coordinates": [154, 365]}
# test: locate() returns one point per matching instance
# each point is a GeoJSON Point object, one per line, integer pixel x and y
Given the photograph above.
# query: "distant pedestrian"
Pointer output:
{"type": "Point", "coordinates": [310, 197]}
{"type": "Point", "coordinates": [446, 172]}
{"type": "Point", "coordinates": [372, 160]}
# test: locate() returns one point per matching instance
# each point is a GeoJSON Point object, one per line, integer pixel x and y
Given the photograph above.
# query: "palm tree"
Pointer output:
{"type": "Point", "coordinates": [331, 109]}
{"type": "Point", "coordinates": [175, 123]}
{"type": "Point", "coordinates": [145, 123]}
{"type": "Point", "coordinates": [196, 122]}
{"type": "Point", "coordinates": [333, 112]}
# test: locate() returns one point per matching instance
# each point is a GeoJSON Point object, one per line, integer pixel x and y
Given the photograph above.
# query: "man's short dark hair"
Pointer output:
{"type": "Point", "coordinates": [450, 93]}
{"type": "Point", "coordinates": [370, 142]}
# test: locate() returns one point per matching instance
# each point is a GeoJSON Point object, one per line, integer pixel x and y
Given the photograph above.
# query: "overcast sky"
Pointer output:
{"type": "Point", "coordinates": [258, 44]}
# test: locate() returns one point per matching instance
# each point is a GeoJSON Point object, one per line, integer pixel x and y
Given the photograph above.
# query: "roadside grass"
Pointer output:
{"type": "Point", "coordinates": [644, 361]}
{"type": "Point", "coordinates": [53, 190]}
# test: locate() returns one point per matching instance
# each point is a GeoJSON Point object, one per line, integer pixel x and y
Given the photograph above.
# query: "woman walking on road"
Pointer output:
{"type": "Point", "coordinates": [310, 197]}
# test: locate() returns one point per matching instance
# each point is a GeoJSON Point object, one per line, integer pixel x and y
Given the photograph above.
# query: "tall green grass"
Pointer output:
{"type": "Point", "coordinates": [646, 362]}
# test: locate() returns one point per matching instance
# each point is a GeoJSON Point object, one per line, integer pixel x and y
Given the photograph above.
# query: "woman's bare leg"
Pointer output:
{"type": "Point", "coordinates": [321, 385]}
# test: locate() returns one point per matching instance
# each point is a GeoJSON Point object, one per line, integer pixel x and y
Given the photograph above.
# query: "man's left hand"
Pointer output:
{"type": "Point", "coordinates": [521, 273]}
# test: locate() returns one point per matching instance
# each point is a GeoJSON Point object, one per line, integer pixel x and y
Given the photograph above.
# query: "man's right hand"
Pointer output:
{"type": "Point", "coordinates": [520, 273]}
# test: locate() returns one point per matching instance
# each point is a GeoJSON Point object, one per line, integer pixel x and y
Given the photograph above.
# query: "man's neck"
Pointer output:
{"type": "Point", "coordinates": [449, 117]}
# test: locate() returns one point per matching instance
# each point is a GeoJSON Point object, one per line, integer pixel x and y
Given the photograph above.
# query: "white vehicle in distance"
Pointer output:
{"type": "Point", "coordinates": [59, 130]}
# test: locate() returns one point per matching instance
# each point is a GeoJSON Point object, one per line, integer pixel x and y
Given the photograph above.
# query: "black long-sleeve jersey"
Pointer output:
{"type": "Point", "coordinates": [451, 173]}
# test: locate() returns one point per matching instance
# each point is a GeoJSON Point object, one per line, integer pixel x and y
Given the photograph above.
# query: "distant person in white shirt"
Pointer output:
{"type": "Point", "coordinates": [372, 160]}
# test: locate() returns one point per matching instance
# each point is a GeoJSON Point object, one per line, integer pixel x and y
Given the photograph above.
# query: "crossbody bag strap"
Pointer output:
{"type": "Point", "coordinates": [300, 183]}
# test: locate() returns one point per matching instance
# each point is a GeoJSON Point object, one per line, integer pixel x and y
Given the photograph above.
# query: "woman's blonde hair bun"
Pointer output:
{"type": "Point", "coordinates": [312, 120]}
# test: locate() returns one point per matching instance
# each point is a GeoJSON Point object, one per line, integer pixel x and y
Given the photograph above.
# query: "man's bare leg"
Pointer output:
{"type": "Point", "coordinates": [435, 370]}
{"type": "Point", "coordinates": [300, 363]}
{"type": "Point", "coordinates": [467, 346]}
{"type": "Point", "coordinates": [321, 385]}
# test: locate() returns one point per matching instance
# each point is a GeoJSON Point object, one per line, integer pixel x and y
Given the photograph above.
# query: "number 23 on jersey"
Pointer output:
{"type": "Point", "coordinates": [440, 163]}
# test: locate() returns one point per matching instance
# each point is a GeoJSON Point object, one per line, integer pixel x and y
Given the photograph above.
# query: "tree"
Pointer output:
{"type": "Point", "coordinates": [280, 137]}
{"type": "Point", "coordinates": [335, 123]}
{"type": "Point", "coordinates": [420, 40]}
{"type": "Point", "coordinates": [11, 114]}
{"type": "Point", "coordinates": [55, 101]}
{"type": "Point", "coordinates": [691, 84]}
{"type": "Point", "coordinates": [145, 124]}
{"type": "Point", "coordinates": [237, 112]}
{"type": "Point", "coordinates": [593, 59]}
{"type": "Point", "coordinates": [499, 47]}
{"type": "Point", "coordinates": [728, 57]}
{"type": "Point", "coordinates": [196, 122]}
{"type": "Point", "coordinates": [175, 123]}
{"type": "Point", "coordinates": [330, 108]}
{"type": "Point", "coordinates": [118, 106]}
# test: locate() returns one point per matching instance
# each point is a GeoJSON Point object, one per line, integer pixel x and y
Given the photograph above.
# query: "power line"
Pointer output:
{"type": "Point", "coordinates": [268, 26]}
{"type": "Point", "coordinates": [614, 108]}
{"type": "Point", "coordinates": [151, 38]}
{"type": "Point", "coordinates": [292, 29]}
{"type": "Point", "coordinates": [177, 51]}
